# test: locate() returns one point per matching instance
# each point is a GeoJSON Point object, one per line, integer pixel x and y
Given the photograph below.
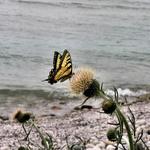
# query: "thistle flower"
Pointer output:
{"type": "Point", "coordinates": [21, 116]}
{"type": "Point", "coordinates": [83, 82]}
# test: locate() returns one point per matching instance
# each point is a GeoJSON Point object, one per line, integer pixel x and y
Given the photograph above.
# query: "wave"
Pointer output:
{"type": "Point", "coordinates": [39, 94]}
{"type": "Point", "coordinates": [127, 92]}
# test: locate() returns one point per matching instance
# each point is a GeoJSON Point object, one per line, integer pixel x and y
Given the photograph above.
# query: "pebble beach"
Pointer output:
{"type": "Point", "coordinates": [90, 125]}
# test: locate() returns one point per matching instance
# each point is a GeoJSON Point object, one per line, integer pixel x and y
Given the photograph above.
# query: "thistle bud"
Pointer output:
{"type": "Point", "coordinates": [22, 148]}
{"type": "Point", "coordinates": [77, 147]}
{"type": "Point", "coordinates": [139, 146]}
{"type": "Point", "coordinates": [112, 134]}
{"type": "Point", "coordinates": [108, 106]}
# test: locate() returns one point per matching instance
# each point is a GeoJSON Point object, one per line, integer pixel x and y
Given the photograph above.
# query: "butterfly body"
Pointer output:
{"type": "Point", "coordinates": [62, 68]}
{"type": "Point", "coordinates": [51, 77]}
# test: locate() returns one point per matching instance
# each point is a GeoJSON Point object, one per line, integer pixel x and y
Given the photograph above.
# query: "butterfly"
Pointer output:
{"type": "Point", "coordinates": [62, 68]}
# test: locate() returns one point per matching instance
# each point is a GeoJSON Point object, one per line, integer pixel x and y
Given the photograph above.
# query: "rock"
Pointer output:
{"type": "Point", "coordinates": [145, 97]}
{"type": "Point", "coordinates": [101, 145]}
{"type": "Point", "coordinates": [4, 118]}
{"type": "Point", "coordinates": [94, 140]}
{"type": "Point", "coordinates": [110, 147]}
{"type": "Point", "coordinates": [5, 148]}
{"type": "Point", "coordinates": [148, 131]}
{"type": "Point", "coordinates": [56, 108]}
{"type": "Point", "coordinates": [89, 146]}
{"type": "Point", "coordinates": [86, 107]}
{"type": "Point", "coordinates": [148, 144]}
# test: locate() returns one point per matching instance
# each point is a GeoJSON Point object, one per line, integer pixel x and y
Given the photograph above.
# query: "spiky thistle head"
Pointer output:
{"type": "Point", "coordinates": [83, 82]}
{"type": "Point", "coordinates": [21, 116]}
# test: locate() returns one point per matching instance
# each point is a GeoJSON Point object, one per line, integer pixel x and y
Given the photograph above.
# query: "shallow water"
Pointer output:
{"type": "Point", "coordinates": [112, 37]}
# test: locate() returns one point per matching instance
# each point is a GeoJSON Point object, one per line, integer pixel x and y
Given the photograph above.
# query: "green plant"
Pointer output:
{"type": "Point", "coordinates": [83, 82]}
{"type": "Point", "coordinates": [126, 124]}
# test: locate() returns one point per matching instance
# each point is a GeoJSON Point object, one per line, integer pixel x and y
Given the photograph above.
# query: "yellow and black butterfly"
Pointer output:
{"type": "Point", "coordinates": [62, 68]}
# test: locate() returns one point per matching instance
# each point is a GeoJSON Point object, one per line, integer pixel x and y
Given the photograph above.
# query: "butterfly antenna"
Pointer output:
{"type": "Point", "coordinates": [45, 80]}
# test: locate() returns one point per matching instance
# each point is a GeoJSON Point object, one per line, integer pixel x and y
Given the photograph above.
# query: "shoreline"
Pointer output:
{"type": "Point", "coordinates": [88, 124]}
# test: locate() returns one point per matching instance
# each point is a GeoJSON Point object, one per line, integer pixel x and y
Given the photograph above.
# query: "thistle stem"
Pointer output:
{"type": "Point", "coordinates": [121, 119]}
{"type": "Point", "coordinates": [84, 101]}
{"type": "Point", "coordinates": [103, 95]}
{"type": "Point", "coordinates": [42, 137]}
{"type": "Point", "coordinates": [131, 142]}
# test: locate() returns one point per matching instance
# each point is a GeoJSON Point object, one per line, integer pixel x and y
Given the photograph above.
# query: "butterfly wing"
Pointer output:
{"type": "Point", "coordinates": [65, 68]}
{"type": "Point", "coordinates": [62, 68]}
{"type": "Point", "coordinates": [57, 60]}
{"type": "Point", "coordinates": [56, 66]}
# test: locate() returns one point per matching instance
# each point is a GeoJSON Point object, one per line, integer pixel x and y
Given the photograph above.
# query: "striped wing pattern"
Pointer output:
{"type": "Point", "coordinates": [62, 67]}
{"type": "Point", "coordinates": [65, 69]}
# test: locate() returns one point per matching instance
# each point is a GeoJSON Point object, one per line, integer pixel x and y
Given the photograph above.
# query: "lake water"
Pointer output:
{"type": "Point", "coordinates": [110, 36]}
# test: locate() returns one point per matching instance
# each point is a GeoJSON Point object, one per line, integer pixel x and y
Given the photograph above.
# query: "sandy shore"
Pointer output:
{"type": "Point", "coordinates": [90, 125]}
